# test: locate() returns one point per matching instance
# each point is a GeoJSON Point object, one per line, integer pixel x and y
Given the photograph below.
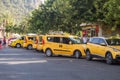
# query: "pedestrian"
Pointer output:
{"type": "Point", "coordinates": [85, 38]}
{"type": "Point", "coordinates": [0, 44]}
{"type": "Point", "coordinates": [4, 41]}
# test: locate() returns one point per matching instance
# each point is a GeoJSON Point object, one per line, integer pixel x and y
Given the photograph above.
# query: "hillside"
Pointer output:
{"type": "Point", "coordinates": [17, 9]}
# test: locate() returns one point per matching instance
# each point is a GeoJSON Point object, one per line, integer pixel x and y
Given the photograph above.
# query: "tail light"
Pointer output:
{"type": "Point", "coordinates": [25, 41]}
{"type": "Point", "coordinates": [43, 42]}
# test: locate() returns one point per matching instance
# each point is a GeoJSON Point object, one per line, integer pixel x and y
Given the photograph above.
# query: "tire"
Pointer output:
{"type": "Point", "coordinates": [37, 50]}
{"type": "Point", "coordinates": [29, 47]}
{"type": "Point", "coordinates": [109, 58]}
{"type": "Point", "coordinates": [18, 45]}
{"type": "Point", "coordinates": [88, 55]}
{"type": "Point", "coordinates": [77, 54]}
{"type": "Point", "coordinates": [48, 53]}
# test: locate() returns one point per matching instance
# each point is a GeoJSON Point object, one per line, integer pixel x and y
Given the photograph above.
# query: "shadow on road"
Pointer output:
{"type": "Point", "coordinates": [103, 61]}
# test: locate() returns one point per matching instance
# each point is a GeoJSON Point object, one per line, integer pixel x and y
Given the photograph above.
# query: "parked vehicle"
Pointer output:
{"type": "Point", "coordinates": [106, 48]}
{"type": "Point", "coordinates": [65, 45]}
{"type": "Point", "coordinates": [10, 40]}
{"type": "Point", "coordinates": [29, 41]}
{"type": "Point", "coordinates": [17, 42]}
{"type": "Point", "coordinates": [38, 43]}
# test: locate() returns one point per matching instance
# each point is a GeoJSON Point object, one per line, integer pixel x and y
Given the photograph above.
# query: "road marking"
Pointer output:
{"type": "Point", "coordinates": [22, 62]}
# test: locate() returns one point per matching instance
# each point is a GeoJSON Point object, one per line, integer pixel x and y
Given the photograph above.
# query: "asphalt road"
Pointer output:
{"type": "Point", "coordinates": [22, 64]}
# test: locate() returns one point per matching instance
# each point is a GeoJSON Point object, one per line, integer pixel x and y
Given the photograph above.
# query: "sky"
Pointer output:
{"type": "Point", "coordinates": [42, 1]}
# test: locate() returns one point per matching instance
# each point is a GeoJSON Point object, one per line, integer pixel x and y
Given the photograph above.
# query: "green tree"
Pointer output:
{"type": "Point", "coordinates": [112, 14]}
{"type": "Point", "coordinates": [67, 15]}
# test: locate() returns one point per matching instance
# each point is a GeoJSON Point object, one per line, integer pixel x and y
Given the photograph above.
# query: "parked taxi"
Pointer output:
{"type": "Point", "coordinates": [17, 42]}
{"type": "Point", "coordinates": [38, 43]}
{"type": "Point", "coordinates": [66, 45]}
{"type": "Point", "coordinates": [29, 41]}
{"type": "Point", "coordinates": [106, 48]}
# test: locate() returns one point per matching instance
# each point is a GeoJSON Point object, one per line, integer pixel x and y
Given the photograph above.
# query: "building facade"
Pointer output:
{"type": "Point", "coordinates": [101, 31]}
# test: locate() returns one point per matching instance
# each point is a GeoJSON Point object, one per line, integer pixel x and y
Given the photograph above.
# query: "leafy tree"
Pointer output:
{"type": "Point", "coordinates": [67, 15]}
{"type": "Point", "coordinates": [112, 14]}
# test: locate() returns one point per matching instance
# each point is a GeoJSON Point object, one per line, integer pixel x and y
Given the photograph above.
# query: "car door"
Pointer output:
{"type": "Point", "coordinates": [93, 45]}
{"type": "Point", "coordinates": [102, 47]}
{"type": "Point", "coordinates": [56, 46]}
{"type": "Point", "coordinates": [66, 48]}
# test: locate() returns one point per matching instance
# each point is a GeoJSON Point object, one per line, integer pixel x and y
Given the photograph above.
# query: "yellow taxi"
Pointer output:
{"type": "Point", "coordinates": [29, 41]}
{"type": "Point", "coordinates": [17, 42]}
{"type": "Point", "coordinates": [66, 45]}
{"type": "Point", "coordinates": [38, 43]}
{"type": "Point", "coordinates": [106, 48]}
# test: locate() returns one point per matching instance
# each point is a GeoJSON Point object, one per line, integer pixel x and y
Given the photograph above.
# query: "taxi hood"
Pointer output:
{"type": "Point", "coordinates": [117, 47]}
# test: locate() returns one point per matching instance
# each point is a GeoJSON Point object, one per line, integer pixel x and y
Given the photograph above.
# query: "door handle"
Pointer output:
{"type": "Point", "coordinates": [60, 45]}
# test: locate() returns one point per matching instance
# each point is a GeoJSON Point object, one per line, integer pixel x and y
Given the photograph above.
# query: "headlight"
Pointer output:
{"type": "Point", "coordinates": [116, 50]}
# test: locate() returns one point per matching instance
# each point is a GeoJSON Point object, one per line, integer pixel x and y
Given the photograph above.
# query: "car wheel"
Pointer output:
{"type": "Point", "coordinates": [29, 47]}
{"type": "Point", "coordinates": [18, 45]}
{"type": "Point", "coordinates": [77, 54]}
{"type": "Point", "coordinates": [48, 52]}
{"type": "Point", "coordinates": [88, 55]}
{"type": "Point", "coordinates": [36, 49]}
{"type": "Point", "coordinates": [109, 58]}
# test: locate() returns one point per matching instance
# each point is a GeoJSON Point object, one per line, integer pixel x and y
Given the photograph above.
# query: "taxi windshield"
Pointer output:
{"type": "Point", "coordinates": [76, 40]}
{"type": "Point", "coordinates": [113, 41]}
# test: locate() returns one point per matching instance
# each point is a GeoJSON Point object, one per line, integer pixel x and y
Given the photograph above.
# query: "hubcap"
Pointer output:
{"type": "Point", "coordinates": [109, 59]}
{"type": "Point", "coordinates": [18, 45]}
{"type": "Point", "coordinates": [88, 55]}
{"type": "Point", "coordinates": [48, 53]}
{"type": "Point", "coordinates": [77, 54]}
{"type": "Point", "coordinates": [29, 47]}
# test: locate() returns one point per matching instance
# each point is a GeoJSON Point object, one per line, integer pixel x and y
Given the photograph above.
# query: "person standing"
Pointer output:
{"type": "Point", "coordinates": [85, 38]}
{"type": "Point", "coordinates": [0, 44]}
{"type": "Point", "coordinates": [4, 41]}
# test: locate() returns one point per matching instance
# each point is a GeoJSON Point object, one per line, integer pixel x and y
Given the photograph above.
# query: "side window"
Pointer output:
{"type": "Point", "coordinates": [22, 38]}
{"type": "Point", "coordinates": [101, 41]}
{"type": "Point", "coordinates": [65, 40]}
{"type": "Point", "coordinates": [50, 39]}
{"type": "Point", "coordinates": [34, 38]}
{"type": "Point", "coordinates": [95, 41]}
{"type": "Point", "coordinates": [30, 38]}
{"type": "Point", "coordinates": [56, 39]}
{"type": "Point", "coordinates": [90, 40]}
{"type": "Point", "coordinates": [53, 39]}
